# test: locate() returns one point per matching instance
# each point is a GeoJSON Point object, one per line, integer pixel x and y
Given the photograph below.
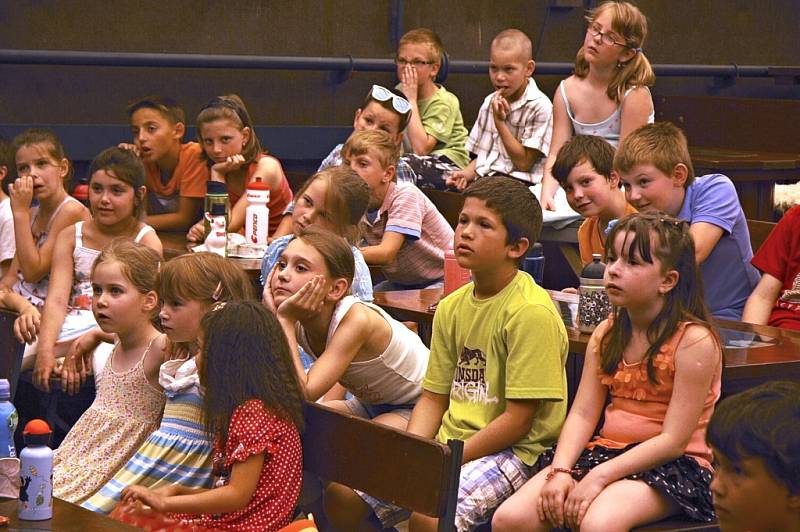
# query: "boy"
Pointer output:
{"type": "Point", "coordinates": [755, 436]}
{"type": "Point", "coordinates": [776, 299]}
{"type": "Point", "coordinates": [436, 127]}
{"type": "Point", "coordinates": [654, 165]}
{"type": "Point", "coordinates": [512, 133]}
{"type": "Point", "coordinates": [7, 242]}
{"type": "Point", "coordinates": [489, 381]}
{"type": "Point", "coordinates": [404, 232]}
{"type": "Point", "coordinates": [176, 174]}
{"type": "Point", "coordinates": [584, 169]}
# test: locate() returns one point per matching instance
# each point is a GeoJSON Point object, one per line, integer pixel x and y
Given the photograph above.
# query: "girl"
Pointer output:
{"type": "Point", "coordinates": [661, 362]}
{"type": "Point", "coordinates": [230, 145]}
{"type": "Point", "coordinates": [357, 344]}
{"type": "Point", "coordinates": [255, 408]}
{"type": "Point", "coordinates": [129, 402]}
{"type": "Point", "coordinates": [179, 452]}
{"type": "Point", "coordinates": [608, 94]}
{"type": "Point", "coordinates": [116, 198]}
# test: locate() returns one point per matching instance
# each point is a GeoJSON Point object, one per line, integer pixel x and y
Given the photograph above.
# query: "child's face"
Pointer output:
{"type": "Point", "coordinates": [422, 58]}
{"type": "Point", "coordinates": [222, 139]}
{"type": "Point", "coordinates": [111, 199]}
{"type": "Point", "coordinates": [35, 161]}
{"type": "Point", "coordinates": [310, 208]}
{"type": "Point", "coordinates": [368, 166]}
{"type": "Point", "coordinates": [298, 264]}
{"type": "Point", "coordinates": [180, 319]}
{"type": "Point", "coordinates": [747, 497]}
{"type": "Point", "coordinates": [649, 189]}
{"type": "Point", "coordinates": [588, 192]}
{"type": "Point", "coordinates": [595, 48]}
{"type": "Point", "coordinates": [480, 237]}
{"type": "Point", "coordinates": [154, 135]}
{"type": "Point", "coordinates": [509, 71]}
{"type": "Point", "coordinates": [117, 305]}
{"type": "Point", "coordinates": [629, 280]}
{"type": "Point", "coordinates": [376, 116]}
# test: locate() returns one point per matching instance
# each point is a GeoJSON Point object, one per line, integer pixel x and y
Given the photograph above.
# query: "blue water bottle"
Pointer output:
{"type": "Point", "coordinates": [534, 263]}
{"type": "Point", "coordinates": [8, 421]}
{"type": "Point", "coordinates": [36, 473]}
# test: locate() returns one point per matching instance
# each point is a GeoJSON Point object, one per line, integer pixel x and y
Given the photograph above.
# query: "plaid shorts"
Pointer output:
{"type": "Point", "coordinates": [484, 484]}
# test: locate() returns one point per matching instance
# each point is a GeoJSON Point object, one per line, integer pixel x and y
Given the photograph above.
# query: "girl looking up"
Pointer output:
{"type": "Point", "coordinates": [230, 145]}
{"type": "Point", "coordinates": [608, 95]}
{"type": "Point", "coordinates": [660, 362]}
{"type": "Point", "coordinates": [179, 452]}
{"type": "Point", "coordinates": [128, 403]}
{"type": "Point", "coordinates": [254, 407]}
{"type": "Point", "coordinates": [116, 198]}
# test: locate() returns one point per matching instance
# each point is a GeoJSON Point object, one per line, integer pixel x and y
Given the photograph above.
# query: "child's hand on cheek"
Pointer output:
{"type": "Point", "coordinates": [266, 296]}
{"type": "Point", "coordinates": [306, 302]}
{"type": "Point", "coordinates": [409, 83]}
{"type": "Point", "coordinates": [232, 163]}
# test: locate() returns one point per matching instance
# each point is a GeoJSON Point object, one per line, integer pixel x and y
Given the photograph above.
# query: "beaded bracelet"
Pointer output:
{"type": "Point", "coordinates": [554, 470]}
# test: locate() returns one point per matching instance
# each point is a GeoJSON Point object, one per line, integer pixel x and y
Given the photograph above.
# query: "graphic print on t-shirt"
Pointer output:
{"type": "Point", "coordinates": [790, 299]}
{"type": "Point", "coordinates": [470, 383]}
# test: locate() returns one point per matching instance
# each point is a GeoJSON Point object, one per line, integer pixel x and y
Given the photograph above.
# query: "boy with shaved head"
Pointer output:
{"type": "Point", "coordinates": [512, 133]}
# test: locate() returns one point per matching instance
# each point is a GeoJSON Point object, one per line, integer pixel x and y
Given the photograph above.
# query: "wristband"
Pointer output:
{"type": "Point", "coordinates": [554, 470]}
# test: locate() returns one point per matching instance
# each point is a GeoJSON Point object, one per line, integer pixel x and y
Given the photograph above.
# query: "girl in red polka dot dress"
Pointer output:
{"type": "Point", "coordinates": [253, 405]}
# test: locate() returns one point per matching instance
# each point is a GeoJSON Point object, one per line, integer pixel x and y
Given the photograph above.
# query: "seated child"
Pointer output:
{"type": "Point", "coordinates": [403, 230]}
{"type": "Point", "coordinates": [487, 382]}
{"type": "Point", "coordinates": [511, 135]}
{"type": "Point", "coordinates": [776, 299]}
{"type": "Point", "coordinates": [584, 169]}
{"type": "Point", "coordinates": [436, 132]}
{"type": "Point", "coordinates": [755, 437]}
{"type": "Point", "coordinates": [660, 362]}
{"type": "Point", "coordinates": [176, 174]}
{"type": "Point", "coordinates": [254, 407]}
{"type": "Point", "coordinates": [7, 246]}
{"type": "Point", "coordinates": [654, 165]}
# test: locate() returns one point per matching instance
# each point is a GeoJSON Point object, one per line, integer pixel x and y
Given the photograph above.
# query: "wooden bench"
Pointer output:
{"type": "Point", "coordinates": [759, 231]}
{"type": "Point", "coordinates": [416, 473]}
{"type": "Point", "coordinates": [10, 350]}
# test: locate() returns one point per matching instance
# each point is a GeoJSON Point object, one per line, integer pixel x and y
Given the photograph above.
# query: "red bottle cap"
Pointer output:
{"type": "Point", "coordinates": [37, 426]}
{"type": "Point", "coordinates": [257, 184]}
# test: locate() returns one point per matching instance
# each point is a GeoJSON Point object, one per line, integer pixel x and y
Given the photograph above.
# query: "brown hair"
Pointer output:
{"type": "Point", "coordinates": [584, 148]}
{"type": "Point", "coordinates": [389, 106]}
{"type": "Point", "coordinates": [346, 199]}
{"type": "Point", "coordinates": [631, 25]}
{"type": "Point", "coordinates": [424, 36]}
{"type": "Point", "coordinates": [50, 142]}
{"type": "Point", "coordinates": [139, 264]}
{"type": "Point", "coordinates": [360, 142]}
{"type": "Point", "coordinates": [229, 107]}
{"type": "Point", "coordinates": [167, 107]}
{"type": "Point", "coordinates": [661, 144]}
{"type": "Point", "coordinates": [128, 168]}
{"type": "Point", "coordinates": [334, 249]}
{"type": "Point", "coordinates": [667, 239]}
{"type": "Point", "coordinates": [513, 38]}
{"type": "Point", "coordinates": [204, 277]}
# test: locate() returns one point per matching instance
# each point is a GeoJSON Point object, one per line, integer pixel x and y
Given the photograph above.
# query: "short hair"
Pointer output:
{"type": "Point", "coordinates": [424, 36]}
{"type": "Point", "coordinates": [513, 203]}
{"type": "Point", "coordinates": [334, 249]}
{"type": "Point", "coordinates": [584, 148]}
{"type": "Point", "coordinates": [514, 38]}
{"type": "Point", "coordinates": [49, 141]}
{"type": "Point", "coordinates": [346, 199]}
{"type": "Point", "coordinates": [360, 142]}
{"type": "Point", "coordinates": [139, 264]}
{"type": "Point", "coordinates": [661, 144]}
{"type": "Point", "coordinates": [7, 159]}
{"type": "Point", "coordinates": [167, 107]}
{"type": "Point", "coordinates": [128, 168]}
{"type": "Point", "coordinates": [229, 107]}
{"type": "Point", "coordinates": [404, 118]}
{"type": "Point", "coordinates": [762, 422]}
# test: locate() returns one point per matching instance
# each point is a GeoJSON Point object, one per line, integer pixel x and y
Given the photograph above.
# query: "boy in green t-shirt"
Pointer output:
{"type": "Point", "coordinates": [496, 376]}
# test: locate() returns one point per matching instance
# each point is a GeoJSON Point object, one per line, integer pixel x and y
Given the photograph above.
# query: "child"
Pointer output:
{"type": "Point", "coordinates": [254, 407]}
{"type": "Point", "coordinates": [176, 175]}
{"type": "Point", "coordinates": [436, 127]}
{"type": "Point", "coordinates": [776, 298]}
{"type": "Point", "coordinates": [755, 439]}
{"type": "Point", "coordinates": [608, 94]}
{"type": "Point", "coordinates": [232, 149]}
{"type": "Point", "coordinates": [26, 326]}
{"type": "Point", "coordinates": [179, 452]}
{"type": "Point", "coordinates": [7, 247]}
{"type": "Point", "coordinates": [335, 199]}
{"type": "Point", "coordinates": [117, 199]}
{"type": "Point", "coordinates": [654, 165]}
{"type": "Point", "coordinates": [512, 133]}
{"type": "Point", "coordinates": [404, 232]}
{"type": "Point", "coordinates": [43, 170]}
{"type": "Point", "coordinates": [584, 169]}
{"type": "Point", "coordinates": [129, 402]}
{"type": "Point", "coordinates": [487, 382]}
{"type": "Point", "coordinates": [376, 358]}
{"type": "Point", "coordinates": [661, 364]}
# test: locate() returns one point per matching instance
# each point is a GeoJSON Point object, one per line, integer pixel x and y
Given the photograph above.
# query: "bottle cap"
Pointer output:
{"type": "Point", "coordinates": [215, 187]}
{"type": "Point", "coordinates": [536, 250]}
{"type": "Point", "coordinates": [37, 432]}
{"type": "Point", "coordinates": [257, 184]}
{"type": "Point", "coordinates": [595, 269]}
{"type": "Point", "coordinates": [217, 209]}
{"type": "Point", "coordinates": [5, 390]}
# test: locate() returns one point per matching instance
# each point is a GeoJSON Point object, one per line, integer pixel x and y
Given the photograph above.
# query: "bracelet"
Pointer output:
{"type": "Point", "coordinates": [554, 470]}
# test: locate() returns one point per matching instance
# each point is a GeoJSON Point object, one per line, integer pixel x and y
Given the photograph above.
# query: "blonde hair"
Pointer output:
{"type": "Point", "coordinates": [229, 107]}
{"type": "Point", "coordinates": [139, 264]}
{"type": "Point", "coordinates": [513, 38]}
{"type": "Point", "coordinates": [360, 142]}
{"type": "Point", "coordinates": [424, 36]}
{"type": "Point", "coordinates": [204, 277]}
{"type": "Point", "coordinates": [631, 25]}
{"type": "Point", "coordinates": [661, 144]}
{"type": "Point", "coordinates": [346, 199]}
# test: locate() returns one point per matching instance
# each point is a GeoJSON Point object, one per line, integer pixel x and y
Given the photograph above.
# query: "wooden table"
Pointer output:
{"type": "Point", "coordinates": [67, 517]}
{"type": "Point", "coordinates": [175, 244]}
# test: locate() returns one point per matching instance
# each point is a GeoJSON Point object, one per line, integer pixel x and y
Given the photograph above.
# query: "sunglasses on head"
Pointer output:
{"type": "Point", "coordinates": [382, 94]}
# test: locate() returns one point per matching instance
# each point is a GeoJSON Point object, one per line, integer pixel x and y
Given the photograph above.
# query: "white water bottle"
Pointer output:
{"type": "Point", "coordinates": [256, 225]}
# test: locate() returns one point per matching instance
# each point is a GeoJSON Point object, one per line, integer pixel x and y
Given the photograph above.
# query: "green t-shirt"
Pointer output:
{"type": "Point", "coordinates": [441, 118]}
{"type": "Point", "coordinates": [512, 345]}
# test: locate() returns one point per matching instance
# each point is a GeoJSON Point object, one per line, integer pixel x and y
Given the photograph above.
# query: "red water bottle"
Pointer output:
{"type": "Point", "coordinates": [454, 275]}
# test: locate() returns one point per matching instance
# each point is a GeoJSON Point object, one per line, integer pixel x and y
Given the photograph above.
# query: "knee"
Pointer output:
{"type": "Point", "coordinates": [512, 518]}
{"type": "Point", "coordinates": [344, 509]}
{"type": "Point", "coordinates": [598, 520]}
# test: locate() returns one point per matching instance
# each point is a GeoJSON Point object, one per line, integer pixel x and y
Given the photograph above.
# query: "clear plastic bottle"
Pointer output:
{"type": "Point", "coordinates": [216, 194]}
{"type": "Point", "coordinates": [36, 473]}
{"type": "Point", "coordinates": [8, 421]}
{"type": "Point", "coordinates": [256, 222]}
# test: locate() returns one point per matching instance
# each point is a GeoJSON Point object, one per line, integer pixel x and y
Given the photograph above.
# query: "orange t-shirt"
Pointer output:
{"type": "Point", "coordinates": [589, 240]}
{"type": "Point", "coordinates": [188, 180]}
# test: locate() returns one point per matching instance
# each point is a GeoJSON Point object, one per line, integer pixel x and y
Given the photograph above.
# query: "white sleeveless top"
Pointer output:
{"type": "Point", "coordinates": [394, 376]}
{"type": "Point", "coordinates": [609, 128]}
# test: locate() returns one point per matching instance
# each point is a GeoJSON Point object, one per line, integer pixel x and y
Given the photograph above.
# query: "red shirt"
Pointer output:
{"type": "Point", "coordinates": [278, 199]}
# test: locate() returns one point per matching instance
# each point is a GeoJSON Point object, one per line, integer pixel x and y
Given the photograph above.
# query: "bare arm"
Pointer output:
{"type": "Point", "coordinates": [152, 241]}
{"type": "Point", "coordinates": [271, 173]}
{"type": "Point", "coordinates": [562, 132]}
{"type": "Point", "coordinates": [521, 156]}
{"type": "Point", "coordinates": [761, 302]}
{"type": "Point", "coordinates": [427, 415]}
{"type": "Point", "coordinates": [705, 236]}
{"type": "Point", "coordinates": [180, 220]}
{"type": "Point", "coordinates": [385, 252]}
{"type": "Point", "coordinates": [284, 228]}
{"type": "Point", "coordinates": [636, 109]}
{"type": "Point", "coordinates": [503, 431]}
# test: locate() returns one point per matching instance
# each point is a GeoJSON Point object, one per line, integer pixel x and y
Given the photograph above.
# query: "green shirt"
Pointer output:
{"type": "Point", "coordinates": [441, 118]}
{"type": "Point", "coordinates": [510, 346]}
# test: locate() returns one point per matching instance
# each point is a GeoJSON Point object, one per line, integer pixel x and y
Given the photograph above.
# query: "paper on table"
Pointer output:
{"type": "Point", "coordinates": [563, 215]}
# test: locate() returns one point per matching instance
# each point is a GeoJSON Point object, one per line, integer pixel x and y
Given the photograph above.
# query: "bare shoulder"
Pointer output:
{"type": "Point", "coordinates": [698, 346]}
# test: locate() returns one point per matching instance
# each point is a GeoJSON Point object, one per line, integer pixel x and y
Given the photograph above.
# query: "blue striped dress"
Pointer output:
{"type": "Point", "coordinates": [179, 452]}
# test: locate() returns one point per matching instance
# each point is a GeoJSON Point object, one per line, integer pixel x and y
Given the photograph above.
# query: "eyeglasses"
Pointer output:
{"type": "Point", "coordinates": [595, 29]}
{"type": "Point", "coordinates": [416, 63]}
{"type": "Point", "coordinates": [382, 94]}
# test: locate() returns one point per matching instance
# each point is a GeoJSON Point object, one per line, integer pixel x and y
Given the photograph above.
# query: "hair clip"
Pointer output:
{"type": "Point", "coordinates": [218, 306]}
{"type": "Point", "coordinates": [158, 267]}
{"type": "Point", "coordinates": [217, 292]}
{"type": "Point", "coordinates": [637, 50]}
